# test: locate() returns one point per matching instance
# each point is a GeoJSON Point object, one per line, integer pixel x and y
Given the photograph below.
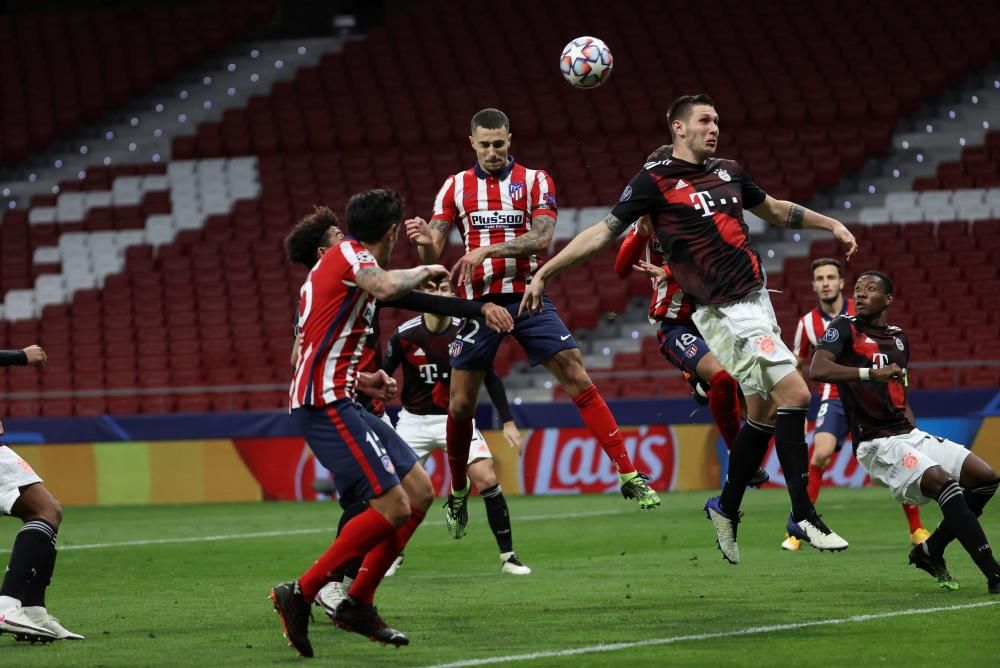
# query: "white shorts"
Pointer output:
{"type": "Point", "coordinates": [745, 336]}
{"type": "Point", "coordinates": [424, 433]}
{"type": "Point", "coordinates": [14, 474]}
{"type": "Point", "coordinates": [898, 462]}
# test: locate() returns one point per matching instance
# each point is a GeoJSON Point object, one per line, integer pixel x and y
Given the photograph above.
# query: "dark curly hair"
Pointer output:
{"type": "Point", "coordinates": [313, 231]}
{"type": "Point", "coordinates": [662, 153]}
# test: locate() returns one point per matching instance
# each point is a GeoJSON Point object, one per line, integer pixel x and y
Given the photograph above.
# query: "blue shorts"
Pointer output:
{"type": "Point", "coordinates": [830, 419]}
{"type": "Point", "coordinates": [682, 345]}
{"type": "Point", "coordinates": [541, 335]}
{"type": "Point", "coordinates": [366, 456]}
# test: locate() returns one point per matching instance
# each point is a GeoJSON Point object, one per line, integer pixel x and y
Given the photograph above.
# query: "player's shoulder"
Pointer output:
{"type": "Point", "coordinates": [895, 330]}
{"type": "Point", "coordinates": [839, 327]}
{"type": "Point", "coordinates": [726, 168]}
{"type": "Point", "coordinates": [408, 325]}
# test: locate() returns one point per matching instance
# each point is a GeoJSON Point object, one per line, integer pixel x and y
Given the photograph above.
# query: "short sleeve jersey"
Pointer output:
{"type": "Point", "coordinates": [697, 215]}
{"type": "Point", "coordinates": [423, 354]}
{"type": "Point", "coordinates": [335, 319]}
{"type": "Point", "coordinates": [492, 209]}
{"type": "Point", "coordinates": [874, 409]}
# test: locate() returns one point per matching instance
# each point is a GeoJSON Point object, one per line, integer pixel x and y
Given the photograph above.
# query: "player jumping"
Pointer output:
{"type": "Point", "coordinates": [506, 213]}
{"type": "Point", "coordinates": [696, 203]}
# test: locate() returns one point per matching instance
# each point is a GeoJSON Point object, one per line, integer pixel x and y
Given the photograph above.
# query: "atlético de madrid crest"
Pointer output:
{"type": "Point", "coordinates": [724, 175]}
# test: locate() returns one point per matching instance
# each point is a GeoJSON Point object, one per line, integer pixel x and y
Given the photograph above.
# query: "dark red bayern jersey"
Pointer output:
{"type": "Point", "coordinates": [426, 364]}
{"type": "Point", "coordinates": [697, 213]}
{"type": "Point", "coordinates": [491, 209]}
{"type": "Point", "coordinates": [335, 318]}
{"type": "Point", "coordinates": [873, 409]}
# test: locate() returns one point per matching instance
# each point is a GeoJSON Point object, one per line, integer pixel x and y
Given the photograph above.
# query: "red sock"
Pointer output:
{"type": "Point", "coordinates": [724, 401]}
{"type": "Point", "coordinates": [459, 439]}
{"type": "Point", "coordinates": [377, 561]}
{"type": "Point", "coordinates": [601, 423]}
{"type": "Point", "coordinates": [358, 537]}
{"type": "Point", "coordinates": [912, 516]}
{"type": "Point", "coordinates": [815, 481]}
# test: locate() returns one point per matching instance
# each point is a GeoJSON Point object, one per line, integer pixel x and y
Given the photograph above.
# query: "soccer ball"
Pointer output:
{"type": "Point", "coordinates": [586, 62]}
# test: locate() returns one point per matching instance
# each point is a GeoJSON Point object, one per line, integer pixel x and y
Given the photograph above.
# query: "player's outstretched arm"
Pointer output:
{"type": "Point", "coordinates": [497, 317]}
{"type": "Point", "coordinates": [429, 238]}
{"type": "Point", "coordinates": [783, 213]}
{"type": "Point", "coordinates": [32, 356]}
{"type": "Point", "coordinates": [824, 369]}
{"type": "Point", "coordinates": [387, 285]}
{"type": "Point", "coordinates": [591, 241]}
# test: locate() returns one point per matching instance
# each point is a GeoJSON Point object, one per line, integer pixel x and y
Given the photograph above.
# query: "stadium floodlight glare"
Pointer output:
{"type": "Point", "coordinates": [83, 150]}
{"type": "Point", "coordinates": [207, 81]}
{"type": "Point", "coordinates": [231, 67]}
{"type": "Point", "coordinates": [134, 121]}
{"type": "Point", "coordinates": [975, 99]}
{"type": "Point", "coordinates": [107, 160]}
{"type": "Point", "coordinates": [183, 95]}
{"type": "Point", "coordinates": [12, 204]}
{"type": "Point", "coordinates": [182, 118]}
{"type": "Point", "coordinates": [82, 174]}
{"type": "Point", "coordinates": [635, 334]}
{"type": "Point", "coordinates": [255, 77]}
{"type": "Point", "coordinates": [55, 190]}
{"type": "Point", "coordinates": [895, 173]}
{"type": "Point", "coordinates": [156, 157]}
{"type": "Point", "coordinates": [770, 252]}
{"type": "Point", "coordinates": [548, 385]}
{"type": "Point", "coordinates": [986, 125]}
{"type": "Point", "coordinates": [158, 108]}
{"type": "Point", "coordinates": [207, 104]}
{"type": "Point", "coordinates": [230, 91]}
{"type": "Point", "coordinates": [517, 401]}
{"type": "Point", "coordinates": [32, 178]}
{"type": "Point", "coordinates": [132, 146]}
{"type": "Point", "coordinates": [254, 53]}
{"type": "Point", "coordinates": [871, 189]}
{"type": "Point", "coordinates": [906, 144]}
{"type": "Point", "coordinates": [6, 192]}
{"type": "Point", "coordinates": [58, 163]}
{"type": "Point", "coordinates": [606, 351]}
{"type": "Point", "coordinates": [952, 114]}
{"type": "Point", "coordinates": [301, 50]}
{"type": "Point", "coordinates": [109, 135]}
{"type": "Point", "coordinates": [797, 237]}
{"type": "Point", "coordinates": [278, 64]}
{"type": "Point", "coordinates": [847, 204]}
{"type": "Point", "coordinates": [930, 128]}
{"type": "Point", "coordinates": [961, 141]}
{"type": "Point", "coordinates": [158, 132]}
{"type": "Point", "coordinates": [920, 157]}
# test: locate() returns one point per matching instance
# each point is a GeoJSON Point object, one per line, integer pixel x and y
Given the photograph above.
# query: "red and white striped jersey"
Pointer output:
{"type": "Point", "coordinates": [335, 318]}
{"type": "Point", "coordinates": [669, 303]}
{"type": "Point", "coordinates": [492, 209]}
{"type": "Point", "coordinates": [808, 333]}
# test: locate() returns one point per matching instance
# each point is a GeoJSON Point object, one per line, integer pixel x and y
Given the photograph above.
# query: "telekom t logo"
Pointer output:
{"type": "Point", "coordinates": [880, 361]}
{"type": "Point", "coordinates": [703, 201]}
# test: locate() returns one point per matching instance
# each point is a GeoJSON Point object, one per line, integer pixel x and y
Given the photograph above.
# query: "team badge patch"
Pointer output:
{"type": "Point", "coordinates": [365, 256]}
{"type": "Point", "coordinates": [455, 349]}
{"type": "Point", "coordinates": [387, 464]}
{"type": "Point", "coordinates": [691, 352]}
{"type": "Point", "coordinates": [625, 194]}
{"type": "Point", "coordinates": [830, 335]}
{"type": "Point", "coordinates": [899, 342]}
{"type": "Point", "coordinates": [724, 175]}
{"type": "Point", "coordinates": [516, 190]}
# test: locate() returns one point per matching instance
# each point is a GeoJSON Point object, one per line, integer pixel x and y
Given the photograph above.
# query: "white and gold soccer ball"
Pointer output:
{"type": "Point", "coordinates": [586, 62]}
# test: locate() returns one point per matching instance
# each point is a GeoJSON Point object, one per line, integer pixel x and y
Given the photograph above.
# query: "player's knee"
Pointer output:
{"type": "Point", "coordinates": [482, 474]}
{"type": "Point", "coordinates": [932, 481]}
{"type": "Point", "coordinates": [821, 460]}
{"type": "Point", "coordinates": [398, 512]}
{"type": "Point", "coordinates": [461, 406]}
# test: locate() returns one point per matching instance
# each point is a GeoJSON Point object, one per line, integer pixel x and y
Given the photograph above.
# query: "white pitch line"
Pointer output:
{"type": "Point", "coordinates": [289, 532]}
{"type": "Point", "coordinates": [752, 630]}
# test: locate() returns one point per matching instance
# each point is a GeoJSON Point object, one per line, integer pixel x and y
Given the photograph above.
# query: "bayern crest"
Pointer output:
{"type": "Point", "coordinates": [899, 342]}
{"type": "Point", "coordinates": [724, 175]}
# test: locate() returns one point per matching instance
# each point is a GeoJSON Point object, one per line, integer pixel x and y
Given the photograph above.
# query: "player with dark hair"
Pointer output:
{"type": "Point", "coordinates": [368, 459]}
{"type": "Point", "coordinates": [307, 242]}
{"type": "Point", "coordinates": [831, 423]}
{"type": "Point", "coordinates": [506, 213]}
{"type": "Point", "coordinates": [867, 358]}
{"type": "Point", "coordinates": [696, 203]}
{"type": "Point", "coordinates": [421, 346]}
{"type": "Point", "coordinates": [681, 343]}
{"type": "Point", "coordinates": [33, 557]}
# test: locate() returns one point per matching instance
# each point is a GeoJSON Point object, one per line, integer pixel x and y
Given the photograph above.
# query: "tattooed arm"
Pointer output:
{"type": "Point", "coordinates": [591, 241]}
{"type": "Point", "coordinates": [783, 213]}
{"type": "Point", "coordinates": [387, 285]}
{"type": "Point", "coordinates": [537, 240]}
{"type": "Point", "coordinates": [429, 238]}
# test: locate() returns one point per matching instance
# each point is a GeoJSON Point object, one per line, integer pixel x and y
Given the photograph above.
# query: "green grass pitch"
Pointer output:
{"type": "Point", "coordinates": [604, 573]}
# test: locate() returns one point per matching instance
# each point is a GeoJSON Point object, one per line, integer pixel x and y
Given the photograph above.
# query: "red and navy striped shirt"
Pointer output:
{"type": "Point", "coordinates": [492, 209]}
{"type": "Point", "coordinates": [335, 318]}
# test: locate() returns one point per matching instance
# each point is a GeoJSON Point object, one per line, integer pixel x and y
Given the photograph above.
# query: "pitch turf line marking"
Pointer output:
{"type": "Point", "coordinates": [753, 630]}
{"type": "Point", "coordinates": [293, 532]}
